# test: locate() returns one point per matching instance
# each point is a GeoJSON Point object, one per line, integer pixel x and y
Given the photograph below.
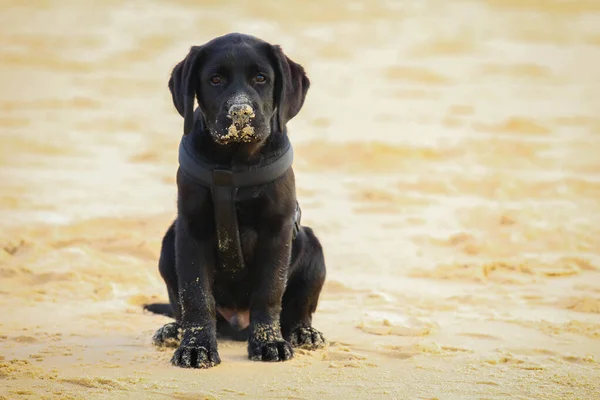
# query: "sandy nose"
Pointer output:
{"type": "Point", "coordinates": [240, 112]}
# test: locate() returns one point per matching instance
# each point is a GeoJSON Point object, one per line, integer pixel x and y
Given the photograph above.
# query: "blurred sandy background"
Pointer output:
{"type": "Point", "coordinates": [448, 156]}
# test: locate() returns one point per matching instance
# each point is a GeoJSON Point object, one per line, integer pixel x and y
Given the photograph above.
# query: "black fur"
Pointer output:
{"type": "Point", "coordinates": [282, 279]}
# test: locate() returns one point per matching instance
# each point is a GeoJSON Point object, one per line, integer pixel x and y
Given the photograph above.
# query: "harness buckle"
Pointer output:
{"type": "Point", "coordinates": [222, 177]}
{"type": "Point", "coordinates": [297, 222]}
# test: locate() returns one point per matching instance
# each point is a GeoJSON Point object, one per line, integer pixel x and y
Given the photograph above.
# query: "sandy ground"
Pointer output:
{"type": "Point", "coordinates": [448, 156]}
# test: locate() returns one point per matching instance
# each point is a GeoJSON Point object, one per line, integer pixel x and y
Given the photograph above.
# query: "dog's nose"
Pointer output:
{"type": "Point", "coordinates": [240, 112]}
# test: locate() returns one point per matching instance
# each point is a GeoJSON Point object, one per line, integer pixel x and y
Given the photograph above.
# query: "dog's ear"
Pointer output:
{"type": "Point", "coordinates": [182, 85]}
{"type": "Point", "coordinates": [291, 85]}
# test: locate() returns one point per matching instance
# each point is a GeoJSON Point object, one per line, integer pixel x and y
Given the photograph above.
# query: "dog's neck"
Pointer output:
{"type": "Point", "coordinates": [237, 154]}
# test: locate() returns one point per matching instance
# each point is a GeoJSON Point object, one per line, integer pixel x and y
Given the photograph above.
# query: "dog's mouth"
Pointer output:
{"type": "Point", "coordinates": [237, 133]}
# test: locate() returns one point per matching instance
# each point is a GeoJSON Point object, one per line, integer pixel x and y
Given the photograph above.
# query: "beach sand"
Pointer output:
{"type": "Point", "coordinates": [447, 156]}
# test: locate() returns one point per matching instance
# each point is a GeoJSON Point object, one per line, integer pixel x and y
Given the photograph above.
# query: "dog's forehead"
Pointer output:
{"type": "Point", "coordinates": [236, 39]}
{"type": "Point", "coordinates": [237, 54]}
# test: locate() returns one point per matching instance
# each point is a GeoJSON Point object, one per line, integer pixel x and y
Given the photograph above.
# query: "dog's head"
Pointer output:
{"type": "Point", "coordinates": [246, 88]}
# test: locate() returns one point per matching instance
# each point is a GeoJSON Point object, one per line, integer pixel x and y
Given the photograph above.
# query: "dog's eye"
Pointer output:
{"type": "Point", "coordinates": [260, 78]}
{"type": "Point", "coordinates": [216, 80]}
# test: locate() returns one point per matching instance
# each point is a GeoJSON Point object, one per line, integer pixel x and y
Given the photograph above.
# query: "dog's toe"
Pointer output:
{"type": "Point", "coordinates": [195, 357]}
{"type": "Point", "coordinates": [167, 336]}
{"type": "Point", "coordinates": [278, 350]}
{"type": "Point", "coordinates": [307, 337]}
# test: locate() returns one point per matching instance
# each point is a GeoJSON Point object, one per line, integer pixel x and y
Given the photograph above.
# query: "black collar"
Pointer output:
{"type": "Point", "coordinates": [211, 175]}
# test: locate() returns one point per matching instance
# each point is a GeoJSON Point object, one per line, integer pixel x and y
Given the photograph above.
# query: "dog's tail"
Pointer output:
{"type": "Point", "coordinates": [160, 308]}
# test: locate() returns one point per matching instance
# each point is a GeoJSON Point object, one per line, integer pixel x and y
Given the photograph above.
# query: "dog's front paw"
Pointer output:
{"type": "Point", "coordinates": [276, 350]}
{"type": "Point", "coordinates": [307, 337]}
{"type": "Point", "coordinates": [196, 350]}
{"type": "Point", "coordinates": [194, 356]}
{"type": "Point", "coordinates": [167, 336]}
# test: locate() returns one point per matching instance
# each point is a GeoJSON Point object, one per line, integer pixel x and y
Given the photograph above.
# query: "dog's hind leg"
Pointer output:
{"type": "Point", "coordinates": [302, 294]}
{"type": "Point", "coordinates": [168, 335]}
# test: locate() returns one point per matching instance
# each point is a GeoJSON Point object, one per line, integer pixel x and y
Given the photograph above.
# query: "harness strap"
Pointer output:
{"type": "Point", "coordinates": [203, 172]}
{"type": "Point", "coordinates": [224, 184]}
{"type": "Point", "coordinates": [228, 234]}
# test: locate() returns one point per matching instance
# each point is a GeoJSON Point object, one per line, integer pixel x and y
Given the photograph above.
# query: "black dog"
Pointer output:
{"type": "Point", "coordinates": [247, 90]}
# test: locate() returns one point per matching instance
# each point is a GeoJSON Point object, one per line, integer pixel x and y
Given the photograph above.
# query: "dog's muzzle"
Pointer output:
{"type": "Point", "coordinates": [240, 130]}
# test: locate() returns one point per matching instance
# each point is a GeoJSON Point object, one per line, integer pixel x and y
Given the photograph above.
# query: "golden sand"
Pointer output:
{"type": "Point", "coordinates": [447, 156]}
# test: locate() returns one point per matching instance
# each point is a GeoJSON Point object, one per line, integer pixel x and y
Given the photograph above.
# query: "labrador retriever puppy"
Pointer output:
{"type": "Point", "coordinates": [246, 90]}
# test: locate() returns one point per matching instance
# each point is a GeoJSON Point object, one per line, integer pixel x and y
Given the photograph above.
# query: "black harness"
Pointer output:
{"type": "Point", "coordinates": [224, 184]}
